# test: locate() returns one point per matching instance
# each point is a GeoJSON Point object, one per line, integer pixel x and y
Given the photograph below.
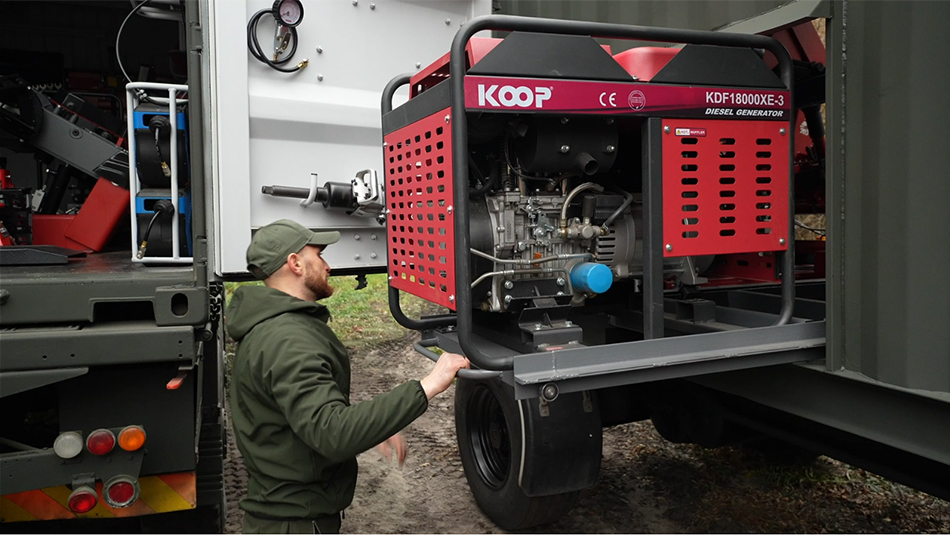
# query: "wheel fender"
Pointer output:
{"type": "Point", "coordinates": [562, 444]}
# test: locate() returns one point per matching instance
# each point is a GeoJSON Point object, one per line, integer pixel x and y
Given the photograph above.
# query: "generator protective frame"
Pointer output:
{"type": "Point", "coordinates": [653, 184]}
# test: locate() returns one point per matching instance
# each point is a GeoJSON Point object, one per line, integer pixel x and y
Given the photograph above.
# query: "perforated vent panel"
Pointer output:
{"type": "Point", "coordinates": [419, 193]}
{"type": "Point", "coordinates": [725, 187]}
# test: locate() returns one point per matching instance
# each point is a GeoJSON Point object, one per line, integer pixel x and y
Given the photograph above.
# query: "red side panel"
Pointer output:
{"type": "Point", "coordinates": [725, 187]}
{"type": "Point", "coordinates": [51, 230]}
{"type": "Point", "coordinates": [99, 215]}
{"type": "Point", "coordinates": [645, 61]}
{"type": "Point", "coordinates": [419, 195]}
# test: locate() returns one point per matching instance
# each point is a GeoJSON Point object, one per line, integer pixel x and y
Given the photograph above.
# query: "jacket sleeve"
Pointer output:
{"type": "Point", "coordinates": [301, 381]}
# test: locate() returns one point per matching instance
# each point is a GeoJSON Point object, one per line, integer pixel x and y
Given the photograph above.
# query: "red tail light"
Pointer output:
{"type": "Point", "coordinates": [100, 442]}
{"type": "Point", "coordinates": [121, 491]}
{"type": "Point", "coordinates": [82, 500]}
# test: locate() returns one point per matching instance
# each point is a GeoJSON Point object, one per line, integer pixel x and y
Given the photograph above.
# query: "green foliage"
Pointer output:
{"type": "Point", "coordinates": [362, 316]}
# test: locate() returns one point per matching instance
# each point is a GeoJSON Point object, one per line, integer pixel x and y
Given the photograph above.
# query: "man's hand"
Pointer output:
{"type": "Point", "coordinates": [443, 374]}
{"type": "Point", "coordinates": [394, 443]}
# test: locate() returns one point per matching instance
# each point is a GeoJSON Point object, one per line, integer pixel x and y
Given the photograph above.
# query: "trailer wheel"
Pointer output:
{"type": "Point", "coordinates": [488, 425]}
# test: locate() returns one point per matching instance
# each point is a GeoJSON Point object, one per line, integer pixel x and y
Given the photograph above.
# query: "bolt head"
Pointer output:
{"type": "Point", "coordinates": [549, 392]}
{"type": "Point", "coordinates": [356, 256]}
{"type": "Point", "coordinates": [372, 6]}
{"type": "Point", "coordinates": [509, 285]}
{"type": "Point", "coordinates": [356, 237]}
{"type": "Point", "coordinates": [319, 77]}
{"type": "Point", "coordinates": [355, 2]}
{"type": "Point", "coordinates": [781, 131]}
{"type": "Point", "coordinates": [319, 50]}
{"type": "Point", "coordinates": [610, 149]}
{"type": "Point", "coordinates": [666, 129]}
{"type": "Point", "coordinates": [781, 241]}
{"type": "Point", "coordinates": [372, 255]}
{"type": "Point", "coordinates": [565, 149]}
{"type": "Point", "coordinates": [669, 247]}
{"type": "Point", "coordinates": [418, 64]}
{"type": "Point", "coordinates": [451, 298]}
{"type": "Point", "coordinates": [560, 281]}
{"type": "Point", "coordinates": [447, 119]}
{"type": "Point", "coordinates": [372, 236]}
{"type": "Point", "coordinates": [448, 21]}
{"type": "Point", "coordinates": [507, 299]}
{"type": "Point", "coordinates": [449, 210]}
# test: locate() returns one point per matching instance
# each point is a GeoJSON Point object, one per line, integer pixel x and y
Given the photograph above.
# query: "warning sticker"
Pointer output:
{"type": "Point", "coordinates": [693, 132]}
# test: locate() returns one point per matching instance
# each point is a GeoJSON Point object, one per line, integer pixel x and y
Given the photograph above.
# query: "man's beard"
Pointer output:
{"type": "Point", "coordinates": [321, 288]}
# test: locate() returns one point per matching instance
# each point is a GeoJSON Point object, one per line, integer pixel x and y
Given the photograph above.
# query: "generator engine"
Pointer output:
{"type": "Point", "coordinates": [550, 221]}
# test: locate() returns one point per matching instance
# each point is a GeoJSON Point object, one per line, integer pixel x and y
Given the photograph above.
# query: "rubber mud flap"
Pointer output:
{"type": "Point", "coordinates": [562, 449]}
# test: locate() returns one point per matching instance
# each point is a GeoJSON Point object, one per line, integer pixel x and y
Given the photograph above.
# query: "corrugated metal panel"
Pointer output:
{"type": "Point", "coordinates": [691, 14]}
{"type": "Point", "coordinates": [891, 71]}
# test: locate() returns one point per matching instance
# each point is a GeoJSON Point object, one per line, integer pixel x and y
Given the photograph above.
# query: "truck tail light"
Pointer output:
{"type": "Point", "coordinates": [100, 442]}
{"type": "Point", "coordinates": [68, 445]}
{"type": "Point", "coordinates": [82, 500]}
{"type": "Point", "coordinates": [121, 491]}
{"type": "Point", "coordinates": [132, 438]}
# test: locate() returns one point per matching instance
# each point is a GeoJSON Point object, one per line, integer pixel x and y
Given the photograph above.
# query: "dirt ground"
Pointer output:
{"type": "Point", "coordinates": [647, 485]}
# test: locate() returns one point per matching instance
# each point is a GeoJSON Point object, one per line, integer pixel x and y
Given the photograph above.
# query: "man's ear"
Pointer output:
{"type": "Point", "coordinates": [295, 263]}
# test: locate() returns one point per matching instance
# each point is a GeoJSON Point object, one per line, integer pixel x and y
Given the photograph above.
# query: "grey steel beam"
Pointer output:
{"type": "Point", "coordinates": [557, 365]}
{"type": "Point", "coordinates": [131, 342]}
{"type": "Point", "coordinates": [652, 360]}
{"type": "Point", "coordinates": [652, 228]}
{"type": "Point", "coordinates": [915, 421]}
{"type": "Point", "coordinates": [673, 371]}
{"type": "Point", "coordinates": [783, 16]}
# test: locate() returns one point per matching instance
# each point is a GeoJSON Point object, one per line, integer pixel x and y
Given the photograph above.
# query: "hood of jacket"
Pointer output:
{"type": "Point", "coordinates": [251, 305]}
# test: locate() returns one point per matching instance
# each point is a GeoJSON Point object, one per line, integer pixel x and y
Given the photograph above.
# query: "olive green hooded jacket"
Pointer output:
{"type": "Point", "coordinates": [290, 406]}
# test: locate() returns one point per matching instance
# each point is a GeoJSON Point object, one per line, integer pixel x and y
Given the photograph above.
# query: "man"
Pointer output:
{"type": "Point", "coordinates": [290, 390]}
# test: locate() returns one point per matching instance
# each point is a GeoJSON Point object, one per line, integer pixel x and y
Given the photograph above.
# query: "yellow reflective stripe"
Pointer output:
{"type": "Point", "coordinates": [161, 497]}
{"type": "Point", "coordinates": [61, 495]}
{"type": "Point", "coordinates": [11, 512]}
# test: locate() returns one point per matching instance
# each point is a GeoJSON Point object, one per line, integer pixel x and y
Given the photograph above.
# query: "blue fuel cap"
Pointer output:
{"type": "Point", "coordinates": [591, 277]}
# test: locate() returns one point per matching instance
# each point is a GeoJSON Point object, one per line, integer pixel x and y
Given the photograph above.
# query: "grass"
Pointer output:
{"type": "Point", "coordinates": [362, 316]}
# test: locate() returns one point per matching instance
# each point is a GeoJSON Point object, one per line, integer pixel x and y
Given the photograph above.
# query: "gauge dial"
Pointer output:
{"type": "Point", "coordinates": [288, 12]}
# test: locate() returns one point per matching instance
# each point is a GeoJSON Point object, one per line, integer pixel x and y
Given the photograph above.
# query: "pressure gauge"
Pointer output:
{"type": "Point", "coordinates": [288, 12]}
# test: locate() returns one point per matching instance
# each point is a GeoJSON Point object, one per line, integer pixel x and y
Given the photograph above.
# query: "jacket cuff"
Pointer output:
{"type": "Point", "coordinates": [422, 392]}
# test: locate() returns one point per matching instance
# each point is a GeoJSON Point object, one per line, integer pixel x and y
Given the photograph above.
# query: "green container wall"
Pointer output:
{"type": "Point", "coordinates": [888, 169]}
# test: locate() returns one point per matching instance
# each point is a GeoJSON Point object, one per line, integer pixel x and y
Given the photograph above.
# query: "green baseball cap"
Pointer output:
{"type": "Point", "coordinates": [272, 243]}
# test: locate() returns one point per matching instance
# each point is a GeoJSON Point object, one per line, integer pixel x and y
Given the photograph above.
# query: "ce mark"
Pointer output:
{"type": "Point", "coordinates": [611, 98]}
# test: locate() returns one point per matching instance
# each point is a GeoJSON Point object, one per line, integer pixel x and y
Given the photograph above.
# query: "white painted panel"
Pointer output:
{"type": "Point", "coordinates": [274, 128]}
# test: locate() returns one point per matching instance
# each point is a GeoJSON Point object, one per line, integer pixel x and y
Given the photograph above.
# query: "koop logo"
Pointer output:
{"type": "Point", "coordinates": [509, 96]}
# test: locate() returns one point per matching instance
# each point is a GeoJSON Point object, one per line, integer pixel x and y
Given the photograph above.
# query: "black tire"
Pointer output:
{"type": "Point", "coordinates": [488, 428]}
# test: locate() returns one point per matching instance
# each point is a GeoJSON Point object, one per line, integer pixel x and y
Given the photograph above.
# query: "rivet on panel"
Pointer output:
{"type": "Point", "coordinates": [319, 77]}
{"type": "Point", "coordinates": [319, 50]}
{"type": "Point", "coordinates": [669, 247]}
{"type": "Point", "coordinates": [356, 256]}
{"type": "Point", "coordinates": [356, 237]}
{"type": "Point", "coordinates": [781, 131]}
{"type": "Point", "coordinates": [666, 129]}
{"type": "Point", "coordinates": [448, 21]}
